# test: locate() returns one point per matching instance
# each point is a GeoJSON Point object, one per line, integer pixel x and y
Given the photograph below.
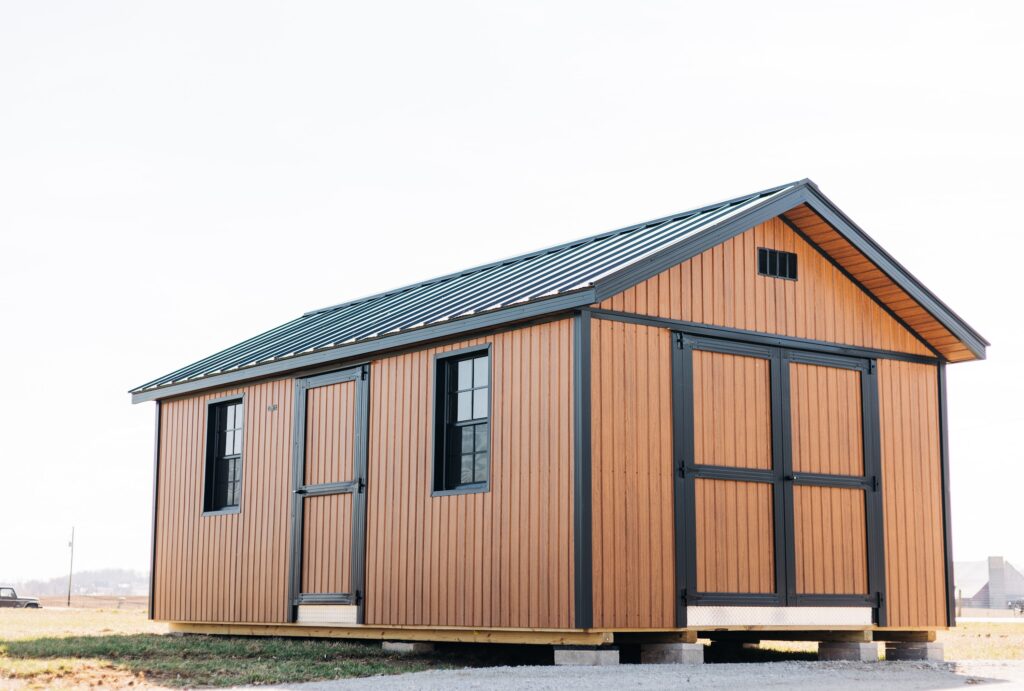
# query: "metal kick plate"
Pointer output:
{"type": "Point", "coordinates": [328, 614]}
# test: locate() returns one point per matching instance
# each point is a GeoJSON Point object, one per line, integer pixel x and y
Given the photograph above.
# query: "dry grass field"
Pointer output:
{"type": "Point", "coordinates": [119, 648]}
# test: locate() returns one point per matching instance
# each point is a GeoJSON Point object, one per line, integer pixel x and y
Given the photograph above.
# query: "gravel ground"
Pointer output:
{"type": "Point", "coordinates": [789, 675]}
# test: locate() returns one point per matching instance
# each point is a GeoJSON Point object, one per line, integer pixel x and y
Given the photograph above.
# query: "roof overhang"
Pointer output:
{"type": "Point", "coordinates": [888, 282]}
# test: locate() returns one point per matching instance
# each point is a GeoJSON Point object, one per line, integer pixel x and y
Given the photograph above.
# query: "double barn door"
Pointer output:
{"type": "Point", "coordinates": [329, 494]}
{"type": "Point", "coordinates": [777, 477]}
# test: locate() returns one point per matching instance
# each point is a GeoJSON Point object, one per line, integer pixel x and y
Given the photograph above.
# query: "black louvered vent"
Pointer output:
{"type": "Point", "coordinates": [776, 263]}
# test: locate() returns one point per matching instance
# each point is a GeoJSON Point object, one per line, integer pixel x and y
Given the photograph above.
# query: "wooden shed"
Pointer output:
{"type": "Point", "coordinates": [731, 419]}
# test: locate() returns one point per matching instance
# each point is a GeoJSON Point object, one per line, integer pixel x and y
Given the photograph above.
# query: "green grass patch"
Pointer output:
{"type": "Point", "coordinates": [204, 660]}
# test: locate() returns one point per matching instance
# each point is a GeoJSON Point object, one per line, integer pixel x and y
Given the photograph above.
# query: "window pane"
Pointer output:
{"type": "Point", "coordinates": [229, 443]}
{"type": "Point", "coordinates": [480, 371]}
{"type": "Point", "coordinates": [238, 415]}
{"type": "Point", "coordinates": [481, 437]}
{"type": "Point", "coordinates": [466, 475]}
{"type": "Point", "coordinates": [480, 469]}
{"type": "Point", "coordinates": [465, 405]}
{"type": "Point", "coordinates": [229, 417]}
{"type": "Point", "coordinates": [238, 441]}
{"type": "Point", "coordinates": [465, 375]}
{"type": "Point", "coordinates": [467, 439]}
{"type": "Point", "coordinates": [479, 404]}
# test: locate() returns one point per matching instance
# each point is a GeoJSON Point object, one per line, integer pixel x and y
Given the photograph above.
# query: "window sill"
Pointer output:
{"type": "Point", "coordinates": [465, 489]}
{"type": "Point", "coordinates": [223, 512]}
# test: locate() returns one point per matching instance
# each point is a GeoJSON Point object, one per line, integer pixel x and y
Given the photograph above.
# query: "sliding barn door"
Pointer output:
{"type": "Point", "coordinates": [329, 508]}
{"type": "Point", "coordinates": [776, 484]}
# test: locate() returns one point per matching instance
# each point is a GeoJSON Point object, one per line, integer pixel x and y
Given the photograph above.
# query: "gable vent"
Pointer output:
{"type": "Point", "coordinates": [776, 263]}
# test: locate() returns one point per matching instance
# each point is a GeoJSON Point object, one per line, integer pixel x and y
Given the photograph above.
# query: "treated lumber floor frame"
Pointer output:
{"type": "Point", "coordinates": [557, 636]}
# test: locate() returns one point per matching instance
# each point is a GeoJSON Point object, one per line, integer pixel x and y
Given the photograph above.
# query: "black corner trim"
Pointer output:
{"type": "Point", "coordinates": [582, 512]}
{"type": "Point", "coordinates": [947, 525]}
{"type": "Point", "coordinates": [152, 535]}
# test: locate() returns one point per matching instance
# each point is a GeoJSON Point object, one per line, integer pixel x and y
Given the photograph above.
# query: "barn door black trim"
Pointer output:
{"type": "Point", "coordinates": [356, 487]}
{"type": "Point", "coordinates": [781, 476]}
{"type": "Point", "coordinates": [688, 471]}
{"type": "Point", "coordinates": [869, 482]}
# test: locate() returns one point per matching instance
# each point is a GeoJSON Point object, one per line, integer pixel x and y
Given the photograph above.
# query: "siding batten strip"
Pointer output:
{"type": "Point", "coordinates": [583, 617]}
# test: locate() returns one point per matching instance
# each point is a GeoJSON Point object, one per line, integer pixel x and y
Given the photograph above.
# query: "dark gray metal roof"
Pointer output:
{"type": "Point", "coordinates": [519, 280]}
{"type": "Point", "coordinates": [565, 277]}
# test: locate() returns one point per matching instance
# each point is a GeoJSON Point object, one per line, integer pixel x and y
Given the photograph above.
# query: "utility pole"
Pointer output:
{"type": "Point", "coordinates": [71, 566]}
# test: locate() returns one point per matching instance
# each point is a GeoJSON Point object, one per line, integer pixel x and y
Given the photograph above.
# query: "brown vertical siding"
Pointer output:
{"type": "Point", "coordinates": [722, 287]}
{"type": "Point", "coordinates": [912, 493]}
{"type": "Point", "coordinates": [327, 544]}
{"type": "Point", "coordinates": [633, 573]}
{"type": "Point", "coordinates": [497, 558]}
{"type": "Point", "coordinates": [732, 415]}
{"type": "Point", "coordinates": [826, 418]}
{"type": "Point", "coordinates": [734, 537]}
{"type": "Point", "coordinates": [229, 567]}
{"type": "Point", "coordinates": [830, 540]}
{"type": "Point", "coordinates": [330, 433]}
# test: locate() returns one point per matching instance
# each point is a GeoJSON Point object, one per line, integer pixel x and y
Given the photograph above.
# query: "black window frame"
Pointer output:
{"type": "Point", "coordinates": [210, 507]}
{"type": "Point", "coordinates": [445, 368]}
{"type": "Point", "coordinates": [775, 263]}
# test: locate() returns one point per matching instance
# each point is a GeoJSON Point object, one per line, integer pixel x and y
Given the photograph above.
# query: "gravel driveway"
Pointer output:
{"type": "Point", "coordinates": [789, 675]}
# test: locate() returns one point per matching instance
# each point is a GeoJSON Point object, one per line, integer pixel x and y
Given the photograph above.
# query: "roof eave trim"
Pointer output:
{"type": "Point", "coordinates": [537, 308]}
{"type": "Point", "coordinates": [824, 207]}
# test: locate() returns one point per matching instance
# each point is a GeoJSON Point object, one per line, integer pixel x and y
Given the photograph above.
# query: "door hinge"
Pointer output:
{"type": "Point", "coordinates": [681, 469]}
{"type": "Point", "coordinates": [364, 372]}
{"type": "Point", "coordinates": [360, 485]}
{"type": "Point", "coordinates": [300, 490]}
{"type": "Point", "coordinates": [357, 597]}
{"type": "Point", "coordinates": [874, 483]}
{"type": "Point", "coordinates": [871, 366]}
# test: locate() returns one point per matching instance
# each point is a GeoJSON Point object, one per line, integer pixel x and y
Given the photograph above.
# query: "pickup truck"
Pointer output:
{"type": "Point", "coordinates": [9, 598]}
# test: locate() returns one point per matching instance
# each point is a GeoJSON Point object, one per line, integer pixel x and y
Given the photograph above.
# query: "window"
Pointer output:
{"type": "Point", "coordinates": [7, 592]}
{"type": "Point", "coordinates": [776, 263]}
{"type": "Point", "coordinates": [224, 456]}
{"type": "Point", "coordinates": [462, 429]}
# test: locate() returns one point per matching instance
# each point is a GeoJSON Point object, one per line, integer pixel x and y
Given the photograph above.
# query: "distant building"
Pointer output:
{"type": "Point", "coordinates": [988, 584]}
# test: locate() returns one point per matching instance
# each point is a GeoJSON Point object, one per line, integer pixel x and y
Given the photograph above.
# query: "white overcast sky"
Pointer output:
{"type": "Point", "coordinates": [177, 176]}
